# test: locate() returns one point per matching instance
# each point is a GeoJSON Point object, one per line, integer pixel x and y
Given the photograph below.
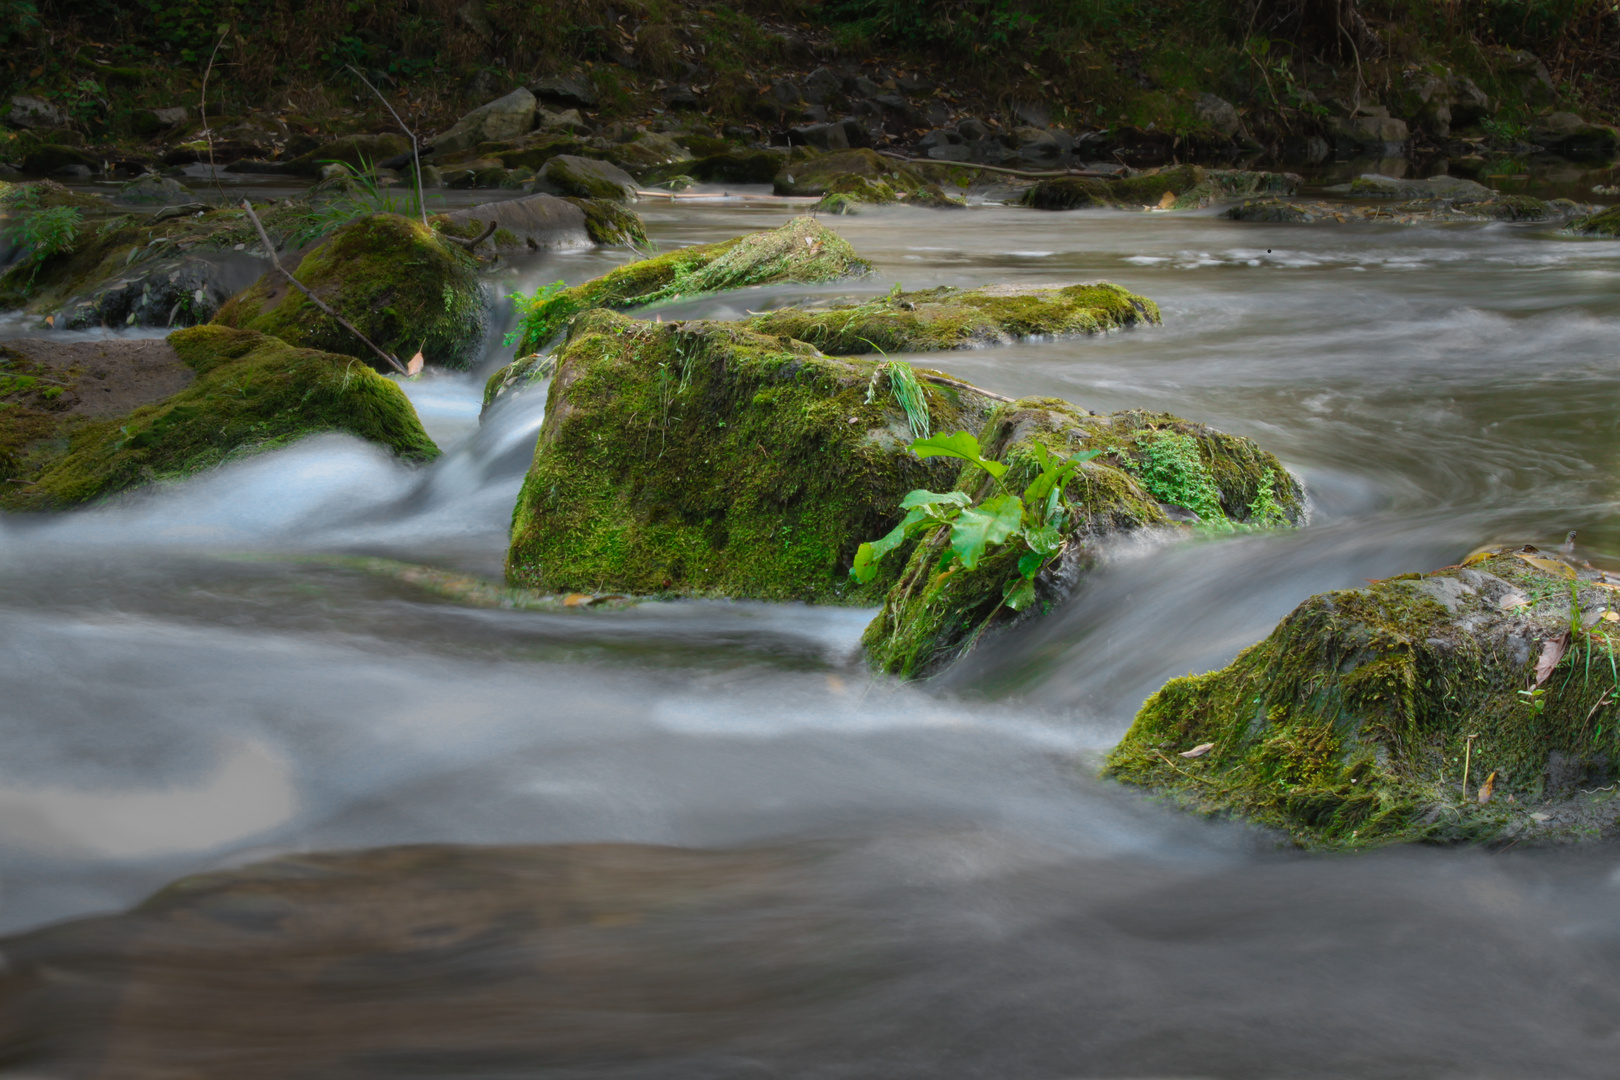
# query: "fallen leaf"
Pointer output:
{"type": "Point", "coordinates": [1540, 817]}
{"type": "Point", "coordinates": [1198, 751]}
{"type": "Point", "coordinates": [578, 599]}
{"type": "Point", "coordinates": [1513, 600]}
{"type": "Point", "coordinates": [1551, 566]}
{"type": "Point", "coordinates": [1477, 557]}
{"type": "Point", "coordinates": [50, 320]}
{"type": "Point", "coordinates": [1611, 616]}
{"type": "Point", "coordinates": [1552, 651]}
{"type": "Point", "coordinates": [415, 366]}
{"type": "Point", "coordinates": [1168, 201]}
{"type": "Point", "coordinates": [1486, 788]}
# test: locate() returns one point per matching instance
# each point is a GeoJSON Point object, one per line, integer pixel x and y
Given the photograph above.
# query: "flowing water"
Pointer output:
{"type": "Point", "coordinates": [697, 839]}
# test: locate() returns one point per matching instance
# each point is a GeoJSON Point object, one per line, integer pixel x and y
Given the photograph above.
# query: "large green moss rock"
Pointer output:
{"type": "Point", "coordinates": [1155, 471]}
{"type": "Point", "coordinates": [243, 392]}
{"type": "Point", "coordinates": [587, 178]}
{"type": "Point", "coordinates": [397, 281]}
{"type": "Point", "coordinates": [1602, 223]}
{"type": "Point", "coordinates": [858, 176]}
{"type": "Point", "coordinates": [1187, 187]}
{"type": "Point", "coordinates": [1351, 724]}
{"type": "Point", "coordinates": [706, 459]}
{"type": "Point", "coordinates": [802, 251]}
{"type": "Point", "coordinates": [947, 318]}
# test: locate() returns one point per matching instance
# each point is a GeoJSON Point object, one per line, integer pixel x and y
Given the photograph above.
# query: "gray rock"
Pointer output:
{"type": "Point", "coordinates": [972, 130]}
{"type": "Point", "coordinates": [1217, 114]}
{"type": "Point", "coordinates": [1435, 187]}
{"type": "Point", "coordinates": [1037, 145]}
{"type": "Point", "coordinates": [1530, 74]}
{"type": "Point", "coordinates": [821, 86]}
{"type": "Point", "coordinates": [564, 90]}
{"type": "Point", "coordinates": [1469, 104]}
{"type": "Point", "coordinates": [181, 291]}
{"type": "Point", "coordinates": [1379, 135]}
{"type": "Point", "coordinates": [786, 92]}
{"type": "Point", "coordinates": [155, 189]}
{"type": "Point", "coordinates": [866, 88]}
{"type": "Point", "coordinates": [33, 112]}
{"type": "Point", "coordinates": [682, 97]}
{"type": "Point", "coordinates": [821, 136]}
{"type": "Point", "coordinates": [1572, 136]}
{"type": "Point", "coordinates": [504, 118]}
{"type": "Point", "coordinates": [1032, 114]}
{"type": "Point", "coordinates": [533, 223]}
{"type": "Point", "coordinates": [586, 178]}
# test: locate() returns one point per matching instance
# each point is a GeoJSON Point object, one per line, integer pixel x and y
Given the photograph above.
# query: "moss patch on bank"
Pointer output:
{"type": "Point", "coordinates": [947, 318]}
{"type": "Point", "coordinates": [252, 393]}
{"type": "Point", "coordinates": [1350, 725]}
{"type": "Point", "coordinates": [705, 459]}
{"type": "Point", "coordinates": [395, 279]}
{"type": "Point", "coordinates": [1150, 463]}
{"type": "Point", "coordinates": [802, 251]}
{"type": "Point", "coordinates": [1183, 187]}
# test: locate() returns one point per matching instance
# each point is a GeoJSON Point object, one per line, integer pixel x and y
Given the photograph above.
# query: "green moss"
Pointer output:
{"type": "Point", "coordinates": [803, 251]}
{"type": "Point", "coordinates": [393, 278]}
{"type": "Point", "coordinates": [934, 615]}
{"type": "Point", "coordinates": [610, 224]}
{"type": "Point", "coordinates": [859, 175]}
{"type": "Point", "coordinates": [707, 459]}
{"type": "Point", "coordinates": [738, 166]}
{"type": "Point", "coordinates": [252, 393]}
{"type": "Point", "coordinates": [1603, 223]}
{"type": "Point", "coordinates": [1188, 186]}
{"type": "Point", "coordinates": [1348, 726]}
{"type": "Point", "coordinates": [947, 318]}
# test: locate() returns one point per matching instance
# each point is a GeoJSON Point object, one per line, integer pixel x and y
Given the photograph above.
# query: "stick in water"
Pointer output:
{"type": "Point", "coordinates": [416, 157]}
{"type": "Point", "coordinates": [270, 249]}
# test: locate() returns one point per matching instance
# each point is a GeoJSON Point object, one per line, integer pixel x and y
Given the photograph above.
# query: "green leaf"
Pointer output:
{"type": "Point", "coordinates": [1030, 564]}
{"type": "Point", "coordinates": [961, 445]}
{"type": "Point", "coordinates": [864, 568]}
{"type": "Point", "coordinates": [984, 526]}
{"type": "Point", "coordinates": [1019, 594]}
{"type": "Point", "coordinates": [1043, 540]}
{"type": "Point", "coordinates": [920, 497]}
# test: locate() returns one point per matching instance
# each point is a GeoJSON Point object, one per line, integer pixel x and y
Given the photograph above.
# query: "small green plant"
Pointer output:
{"type": "Point", "coordinates": [1172, 471]}
{"type": "Point", "coordinates": [43, 234]}
{"type": "Point", "coordinates": [907, 391]}
{"type": "Point", "coordinates": [1534, 700]}
{"type": "Point", "coordinates": [531, 310]}
{"type": "Point", "coordinates": [1030, 518]}
{"type": "Point", "coordinates": [1263, 508]}
{"type": "Point", "coordinates": [363, 195]}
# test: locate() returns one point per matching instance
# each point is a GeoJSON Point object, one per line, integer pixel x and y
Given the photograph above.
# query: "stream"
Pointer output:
{"type": "Point", "coordinates": [697, 839]}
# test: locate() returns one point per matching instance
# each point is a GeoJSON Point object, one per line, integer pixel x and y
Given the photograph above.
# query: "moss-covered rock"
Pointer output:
{"type": "Point", "coordinates": [802, 251]}
{"type": "Point", "coordinates": [705, 459]}
{"type": "Point", "coordinates": [738, 166]}
{"type": "Point", "coordinates": [1183, 187]}
{"type": "Point", "coordinates": [1422, 212]}
{"type": "Point", "coordinates": [244, 392]}
{"type": "Point", "coordinates": [586, 178]}
{"type": "Point", "coordinates": [858, 176]}
{"type": "Point", "coordinates": [1602, 223]}
{"type": "Point", "coordinates": [1351, 724]}
{"type": "Point", "coordinates": [397, 281]}
{"type": "Point", "coordinates": [947, 318]}
{"type": "Point", "coordinates": [1152, 470]}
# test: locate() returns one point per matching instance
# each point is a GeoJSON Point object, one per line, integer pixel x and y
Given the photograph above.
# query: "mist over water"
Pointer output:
{"type": "Point", "coordinates": [845, 877]}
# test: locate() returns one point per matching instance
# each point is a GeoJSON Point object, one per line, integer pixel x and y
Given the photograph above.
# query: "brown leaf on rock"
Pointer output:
{"type": "Point", "coordinates": [1486, 788]}
{"type": "Point", "coordinates": [1552, 651]}
{"type": "Point", "coordinates": [1551, 566]}
{"type": "Point", "coordinates": [1198, 751]}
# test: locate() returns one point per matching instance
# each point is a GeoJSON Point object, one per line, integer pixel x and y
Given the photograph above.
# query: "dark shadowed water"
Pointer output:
{"type": "Point", "coordinates": [696, 839]}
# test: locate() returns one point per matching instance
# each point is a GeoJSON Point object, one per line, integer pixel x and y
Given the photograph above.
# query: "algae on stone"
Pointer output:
{"type": "Point", "coordinates": [706, 459]}
{"type": "Point", "coordinates": [251, 392]}
{"type": "Point", "coordinates": [1350, 724]}
{"type": "Point", "coordinates": [947, 318]}
{"type": "Point", "coordinates": [397, 281]}
{"type": "Point", "coordinates": [935, 614]}
{"type": "Point", "coordinates": [1602, 223]}
{"type": "Point", "coordinates": [1187, 187]}
{"type": "Point", "coordinates": [802, 251]}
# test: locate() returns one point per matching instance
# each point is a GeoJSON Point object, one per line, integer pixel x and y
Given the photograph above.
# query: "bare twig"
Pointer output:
{"type": "Point", "coordinates": [202, 110]}
{"type": "Point", "coordinates": [270, 249]}
{"type": "Point", "coordinates": [416, 157]}
{"type": "Point", "coordinates": [945, 380]}
{"type": "Point", "coordinates": [489, 230]}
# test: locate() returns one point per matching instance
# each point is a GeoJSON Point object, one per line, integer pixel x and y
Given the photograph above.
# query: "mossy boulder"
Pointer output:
{"type": "Point", "coordinates": [738, 166]}
{"type": "Point", "coordinates": [355, 151]}
{"type": "Point", "coordinates": [1351, 725]}
{"type": "Point", "coordinates": [239, 392]}
{"type": "Point", "coordinates": [586, 178]}
{"type": "Point", "coordinates": [1602, 223]}
{"type": "Point", "coordinates": [947, 318]}
{"type": "Point", "coordinates": [544, 223]}
{"type": "Point", "coordinates": [1155, 471]}
{"type": "Point", "coordinates": [858, 175]}
{"type": "Point", "coordinates": [802, 251]}
{"type": "Point", "coordinates": [1417, 212]}
{"type": "Point", "coordinates": [706, 459]}
{"type": "Point", "coordinates": [1183, 187]}
{"type": "Point", "coordinates": [397, 281]}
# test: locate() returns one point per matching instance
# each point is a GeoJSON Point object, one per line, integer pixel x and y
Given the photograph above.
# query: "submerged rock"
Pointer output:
{"type": "Point", "coordinates": [802, 251]}
{"type": "Point", "coordinates": [1183, 187]}
{"type": "Point", "coordinates": [947, 318]}
{"type": "Point", "coordinates": [398, 282]}
{"type": "Point", "coordinates": [706, 459]}
{"type": "Point", "coordinates": [1352, 723]}
{"type": "Point", "coordinates": [88, 420]}
{"type": "Point", "coordinates": [1154, 471]}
